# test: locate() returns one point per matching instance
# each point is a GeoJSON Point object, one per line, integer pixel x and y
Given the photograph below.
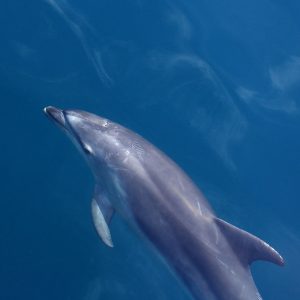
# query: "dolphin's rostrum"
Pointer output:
{"type": "Point", "coordinates": [148, 189]}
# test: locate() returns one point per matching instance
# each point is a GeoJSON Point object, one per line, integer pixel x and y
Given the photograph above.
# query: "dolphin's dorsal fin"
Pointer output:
{"type": "Point", "coordinates": [102, 212]}
{"type": "Point", "coordinates": [248, 247]}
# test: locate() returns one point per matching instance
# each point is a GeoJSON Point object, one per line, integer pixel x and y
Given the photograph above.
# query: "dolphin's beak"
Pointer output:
{"type": "Point", "coordinates": [56, 115]}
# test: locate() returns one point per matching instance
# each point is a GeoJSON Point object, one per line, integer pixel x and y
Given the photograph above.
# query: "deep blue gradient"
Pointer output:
{"type": "Point", "coordinates": [214, 84]}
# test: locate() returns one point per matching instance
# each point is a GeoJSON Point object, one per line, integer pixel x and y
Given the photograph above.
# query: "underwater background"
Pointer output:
{"type": "Point", "coordinates": [214, 84]}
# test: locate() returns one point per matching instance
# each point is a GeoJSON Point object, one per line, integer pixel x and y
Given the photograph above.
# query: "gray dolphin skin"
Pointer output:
{"type": "Point", "coordinates": [136, 180]}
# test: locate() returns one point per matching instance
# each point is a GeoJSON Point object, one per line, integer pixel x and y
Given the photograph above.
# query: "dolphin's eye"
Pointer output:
{"type": "Point", "coordinates": [87, 149]}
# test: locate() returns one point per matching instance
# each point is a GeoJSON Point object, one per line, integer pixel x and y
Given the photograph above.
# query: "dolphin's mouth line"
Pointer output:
{"type": "Point", "coordinates": [60, 117]}
{"type": "Point", "coordinates": [72, 132]}
{"type": "Point", "coordinates": [56, 115]}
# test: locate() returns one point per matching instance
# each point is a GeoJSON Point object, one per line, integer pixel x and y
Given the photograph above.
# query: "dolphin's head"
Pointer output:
{"type": "Point", "coordinates": [88, 132]}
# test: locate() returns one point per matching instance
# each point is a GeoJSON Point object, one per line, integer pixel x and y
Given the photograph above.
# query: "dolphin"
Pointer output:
{"type": "Point", "coordinates": [154, 195]}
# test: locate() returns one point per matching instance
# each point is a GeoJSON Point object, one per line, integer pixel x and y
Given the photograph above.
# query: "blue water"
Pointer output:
{"type": "Point", "coordinates": [214, 84]}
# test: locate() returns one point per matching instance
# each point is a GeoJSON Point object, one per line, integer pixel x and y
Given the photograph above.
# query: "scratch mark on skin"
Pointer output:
{"type": "Point", "coordinates": [217, 235]}
{"type": "Point", "coordinates": [181, 186]}
{"type": "Point", "coordinates": [199, 207]}
{"type": "Point", "coordinates": [222, 263]}
{"type": "Point", "coordinates": [138, 149]}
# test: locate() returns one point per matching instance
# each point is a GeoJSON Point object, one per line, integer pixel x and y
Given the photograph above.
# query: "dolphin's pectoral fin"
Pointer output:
{"type": "Point", "coordinates": [248, 247]}
{"type": "Point", "coordinates": [102, 212]}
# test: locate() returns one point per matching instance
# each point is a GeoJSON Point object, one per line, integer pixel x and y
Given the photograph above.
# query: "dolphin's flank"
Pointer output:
{"type": "Point", "coordinates": [136, 180]}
